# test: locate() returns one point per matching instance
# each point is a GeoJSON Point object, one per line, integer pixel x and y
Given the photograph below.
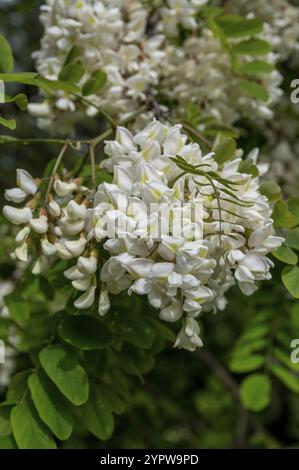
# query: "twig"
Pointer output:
{"type": "Point", "coordinates": [56, 166]}
{"type": "Point", "coordinates": [93, 167]}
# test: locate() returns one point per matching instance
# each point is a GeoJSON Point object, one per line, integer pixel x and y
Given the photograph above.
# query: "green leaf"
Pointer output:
{"type": "Point", "coordinates": [65, 371]}
{"type": "Point", "coordinates": [283, 218]}
{"type": "Point", "coordinates": [290, 279]}
{"type": "Point", "coordinates": [255, 392]}
{"type": "Point", "coordinates": [293, 238]}
{"type": "Point", "coordinates": [287, 377]}
{"type": "Point", "coordinates": [95, 83]}
{"type": "Point", "coordinates": [6, 57]}
{"type": "Point", "coordinates": [71, 73]}
{"type": "Point", "coordinates": [256, 67]}
{"type": "Point", "coordinates": [286, 255]}
{"type": "Point", "coordinates": [25, 78]}
{"type": "Point", "coordinates": [98, 418]}
{"type": "Point", "coordinates": [55, 85]}
{"type": "Point", "coordinates": [29, 432]}
{"type": "Point", "coordinates": [271, 190]}
{"type": "Point", "coordinates": [18, 386]}
{"type": "Point", "coordinates": [241, 27]}
{"type": "Point", "coordinates": [18, 309]}
{"type": "Point", "coordinates": [244, 364]}
{"type": "Point", "coordinates": [5, 410]}
{"type": "Point", "coordinates": [20, 100]}
{"type": "Point", "coordinates": [225, 150]}
{"type": "Point", "coordinates": [72, 55]}
{"type": "Point", "coordinates": [51, 406]}
{"type": "Point", "coordinates": [293, 205]}
{"type": "Point", "coordinates": [252, 46]}
{"type": "Point", "coordinates": [8, 442]}
{"type": "Point", "coordinates": [247, 166]}
{"type": "Point", "coordinates": [255, 90]}
{"type": "Point", "coordinates": [86, 332]}
{"type": "Point", "coordinates": [9, 123]}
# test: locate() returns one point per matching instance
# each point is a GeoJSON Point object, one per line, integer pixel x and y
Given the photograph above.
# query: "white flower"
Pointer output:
{"type": "Point", "coordinates": [17, 216]}
{"type": "Point", "coordinates": [16, 195]}
{"type": "Point", "coordinates": [39, 225]}
{"type": "Point", "coordinates": [64, 189]}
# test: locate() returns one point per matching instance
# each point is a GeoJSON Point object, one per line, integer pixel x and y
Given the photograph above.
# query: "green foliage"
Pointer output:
{"type": "Point", "coordinates": [6, 57]}
{"type": "Point", "coordinates": [256, 392]}
{"type": "Point", "coordinates": [63, 368]}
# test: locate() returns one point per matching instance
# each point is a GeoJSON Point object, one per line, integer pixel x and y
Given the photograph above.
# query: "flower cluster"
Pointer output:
{"type": "Point", "coordinates": [147, 62]}
{"type": "Point", "coordinates": [200, 72]}
{"type": "Point", "coordinates": [111, 36]}
{"type": "Point", "coordinates": [175, 225]}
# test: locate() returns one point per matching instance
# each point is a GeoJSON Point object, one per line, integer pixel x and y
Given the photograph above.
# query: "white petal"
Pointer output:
{"type": "Point", "coordinates": [22, 235]}
{"type": "Point", "coordinates": [21, 252]}
{"type": "Point", "coordinates": [54, 208]}
{"type": "Point", "coordinates": [76, 247]}
{"type": "Point", "coordinates": [15, 195]}
{"type": "Point", "coordinates": [87, 265]}
{"type": "Point", "coordinates": [40, 225]}
{"type": "Point", "coordinates": [83, 283]}
{"type": "Point", "coordinates": [17, 216]}
{"type": "Point", "coordinates": [64, 189]}
{"type": "Point", "coordinates": [76, 211]}
{"type": "Point", "coordinates": [48, 248]}
{"type": "Point", "coordinates": [104, 302]}
{"type": "Point", "coordinates": [26, 182]}
{"type": "Point", "coordinates": [86, 300]}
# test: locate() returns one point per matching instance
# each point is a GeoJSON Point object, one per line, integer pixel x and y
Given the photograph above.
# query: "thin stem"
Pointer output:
{"type": "Point", "coordinates": [25, 141]}
{"type": "Point", "coordinates": [56, 166]}
{"type": "Point", "coordinates": [193, 131]}
{"type": "Point", "coordinates": [93, 167]}
{"type": "Point", "coordinates": [98, 108]}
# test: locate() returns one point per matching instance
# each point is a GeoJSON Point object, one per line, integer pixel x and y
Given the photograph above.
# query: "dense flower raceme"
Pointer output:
{"type": "Point", "coordinates": [111, 37]}
{"type": "Point", "coordinates": [134, 43]}
{"type": "Point", "coordinates": [182, 273]}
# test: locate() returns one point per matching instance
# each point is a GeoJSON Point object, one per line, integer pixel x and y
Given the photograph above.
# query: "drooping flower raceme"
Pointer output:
{"type": "Point", "coordinates": [184, 274]}
{"type": "Point", "coordinates": [176, 226]}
